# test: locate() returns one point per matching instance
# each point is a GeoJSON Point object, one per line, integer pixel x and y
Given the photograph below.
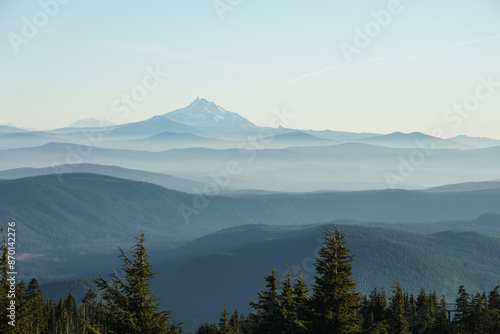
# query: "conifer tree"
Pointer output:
{"type": "Point", "coordinates": [335, 302]}
{"type": "Point", "coordinates": [440, 324]}
{"type": "Point", "coordinates": [234, 322]}
{"type": "Point", "coordinates": [462, 313]}
{"type": "Point", "coordinates": [224, 325]}
{"type": "Point", "coordinates": [49, 314]}
{"type": "Point", "coordinates": [494, 298]}
{"type": "Point", "coordinates": [398, 319]}
{"type": "Point", "coordinates": [34, 299]}
{"type": "Point", "coordinates": [267, 317]}
{"type": "Point", "coordinates": [71, 311]}
{"type": "Point", "coordinates": [23, 316]}
{"type": "Point", "coordinates": [420, 312]}
{"type": "Point", "coordinates": [289, 307]}
{"type": "Point", "coordinates": [207, 328]}
{"type": "Point", "coordinates": [375, 312]}
{"type": "Point", "coordinates": [491, 319]}
{"type": "Point", "coordinates": [62, 317]}
{"type": "Point", "coordinates": [130, 305]}
{"type": "Point", "coordinates": [302, 301]}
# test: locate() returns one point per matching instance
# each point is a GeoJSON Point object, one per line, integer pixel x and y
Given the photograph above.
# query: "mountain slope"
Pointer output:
{"type": "Point", "coordinates": [468, 186]}
{"type": "Point", "coordinates": [203, 113]}
{"type": "Point", "coordinates": [90, 123]}
{"type": "Point", "coordinates": [298, 169]}
{"type": "Point", "coordinates": [297, 138]}
{"type": "Point", "coordinates": [85, 212]}
{"type": "Point", "coordinates": [163, 180]}
{"type": "Point", "coordinates": [81, 211]}
{"type": "Point", "coordinates": [481, 142]}
{"type": "Point", "coordinates": [151, 127]}
{"type": "Point", "coordinates": [409, 140]}
{"type": "Point", "coordinates": [198, 287]}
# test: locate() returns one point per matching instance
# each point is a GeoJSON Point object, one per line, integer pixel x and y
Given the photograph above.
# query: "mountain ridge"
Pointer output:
{"type": "Point", "coordinates": [204, 113]}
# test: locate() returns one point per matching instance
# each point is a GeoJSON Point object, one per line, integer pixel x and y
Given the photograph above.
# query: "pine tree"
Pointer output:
{"type": "Point", "coordinates": [23, 315]}
{"type": "Point", "coordinates": [49, 314]}
{"type": "Point", "coordinates": [335, 302]}
{"type": "Point", "coordinates": [302, 301]}
{"type": "Point", "coordinates": [267, 317]}
{"type": "Point", "coordinates": [476, 316]}
{"type": "Point", "coordinates": [234, 322]}
{"type": "Point", "coordinates": [90, 316]}
{"type": "Point", "coordinates": [494, 298]}
{"type": "Point", "coordinates": [375, 312]}
{"type": "Point", "coordinates": [289, 307]}
{"type": "Point", "coordinates": [130, 306]}
{"type": "Point", "coordinates": [34, 299]}
{"type": "Point", "coordinates": [62, 317]}
{"type": "Point", "coordinates": [71, 311]}
{"type": "Point", "coordinates": [398, 321]}
{"type": "Point", "coordinates": [492, 313]}
{"type": "Point", "coordinates": [420, 313]}
{"type": "Point", "coordinates": [224, 325]}
{"type": "Point", "coordinates": [207, 328]}
{"type": "Point", "coordinates": [463, 309]}
{"type": "Point", "coordinates": [440, 324]}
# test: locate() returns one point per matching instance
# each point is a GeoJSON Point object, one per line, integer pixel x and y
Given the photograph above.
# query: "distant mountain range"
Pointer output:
{"type": "Point", "coordinates": [206, 114]}
{"type": "Point", "coordinates": [78, 211]}
{"type": "Point", "coordinates": [162, 180]}
{"type": "Point", "coordinates": [90, 123]}
{"type": "Point", "coordinates": [223, 201]}
{"type": "Point", "coordinates": [228, 268]}
{"type": "Point", "coordinates": [403, 140]}
{"type": "Point", "coordinates": [199, 140]}
{"type": "Point", "coordinates": [72, 223]}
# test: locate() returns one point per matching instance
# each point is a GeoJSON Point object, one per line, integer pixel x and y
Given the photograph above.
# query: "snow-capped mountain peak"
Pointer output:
{"type": "Point", "coordinates": [90, 123]}
{"type": "Point", "coordinates": [204, 113]}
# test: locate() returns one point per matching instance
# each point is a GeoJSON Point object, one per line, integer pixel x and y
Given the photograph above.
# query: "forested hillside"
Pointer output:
{"type": "Point", "coordinates": [89, 212]}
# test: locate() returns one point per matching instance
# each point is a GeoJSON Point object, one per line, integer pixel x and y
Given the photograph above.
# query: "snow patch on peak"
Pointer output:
{"type": "Point", "coordinates": [204, 113]}
{"type": "Point", "coordinates": [90, 123]}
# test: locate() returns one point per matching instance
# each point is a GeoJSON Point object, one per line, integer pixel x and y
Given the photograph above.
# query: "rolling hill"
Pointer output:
{"type": "Point", "coordinates": [411, 140]}
{"type": "Point", "coordinates": [228, 268]}
{"type": "Point", "coordinates": [163, 180]}
{"type": "Point", "coordinates": [80, 211]}
{"type": "Point", "coordinates": [297, 169]}
{"type": "Point", "coordinates": [71, 227]}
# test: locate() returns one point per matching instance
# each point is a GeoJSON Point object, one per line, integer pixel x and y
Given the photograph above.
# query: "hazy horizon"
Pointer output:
{"type": "Point", "coordinates": [365, 67]}
{"type": "Point", "coordinates": [298, 129]}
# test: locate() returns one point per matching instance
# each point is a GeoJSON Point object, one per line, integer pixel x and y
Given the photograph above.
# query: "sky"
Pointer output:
{"type": "Point", "coordinates": [359, 66]}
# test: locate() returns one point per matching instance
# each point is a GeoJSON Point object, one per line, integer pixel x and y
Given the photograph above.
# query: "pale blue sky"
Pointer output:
{"type": "Point", "coordinates": [263, 55]}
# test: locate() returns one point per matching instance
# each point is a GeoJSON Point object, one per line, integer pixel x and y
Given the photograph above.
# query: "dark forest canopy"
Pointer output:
{"type": "Point", "coordinates": [125, 304]}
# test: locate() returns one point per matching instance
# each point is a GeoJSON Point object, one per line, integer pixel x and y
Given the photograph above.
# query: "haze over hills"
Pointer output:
{"type": "Point", "coordinates": [338, 167]}
{"type": "Point", "coordinates": [75, 223]}
{"type": "Point", "coordinates": [228, 268]}
{"type": "Point", "coordinates": [223, 201]}
{"type": "Point", "coordinates": [201, 139]}
{"type": "Point", "coordinates": [90, 123]}
{"type": "Point", "coordinates": [78, 211]}
{"type": "Point", "coordinates": [162, 180]}
{"type": "Point", "coordinates": [414, 139]}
